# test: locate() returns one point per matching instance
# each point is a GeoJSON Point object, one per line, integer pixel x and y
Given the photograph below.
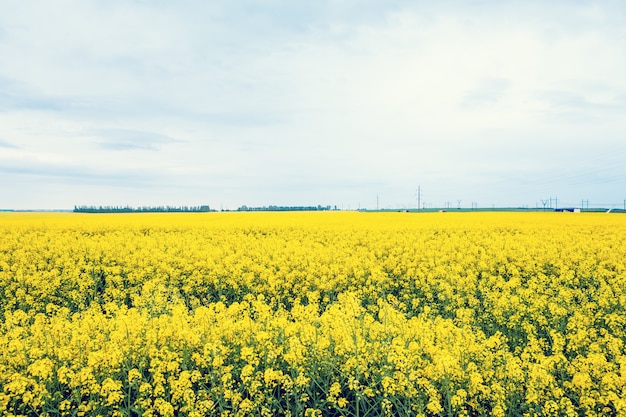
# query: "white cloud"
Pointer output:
{"type": "Point", "coordinates": [301, 103]}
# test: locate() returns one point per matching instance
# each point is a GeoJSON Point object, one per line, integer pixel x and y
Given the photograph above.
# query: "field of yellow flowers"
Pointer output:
{"type": "Point", "coordinates": [313, 314]}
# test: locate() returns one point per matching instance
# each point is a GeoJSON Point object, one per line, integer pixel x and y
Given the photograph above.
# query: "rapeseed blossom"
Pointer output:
{"type": "Point", "coordinates": [236, 314]}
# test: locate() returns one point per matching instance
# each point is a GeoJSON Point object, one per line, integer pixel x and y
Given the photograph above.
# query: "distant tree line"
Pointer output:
{"type": "Point", "coordinates": [143, 209]}
{"type": "Point", "coordinates": [286, 208]}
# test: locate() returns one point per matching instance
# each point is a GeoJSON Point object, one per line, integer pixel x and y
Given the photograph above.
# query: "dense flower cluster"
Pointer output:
{"type": "Point", "coordinates": [313, 314]}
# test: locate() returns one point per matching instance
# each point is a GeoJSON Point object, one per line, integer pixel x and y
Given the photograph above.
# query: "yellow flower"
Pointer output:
{"type": "Point", "coordinates": [111, 391]}
{"type": "Point", "coordinates": [224, 311]}
{"type": "Point", "coordinates": [246, 405]}
{"type": "Point", "coordinates": [134, 376]}
{"type": "Point", "coordinates": [164, 408]}
{"type": "Point", "coordinates": [312, 412]}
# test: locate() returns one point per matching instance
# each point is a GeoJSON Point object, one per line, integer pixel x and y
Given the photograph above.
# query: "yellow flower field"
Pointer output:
{"type": "Point", "coordinates": [313, 314]}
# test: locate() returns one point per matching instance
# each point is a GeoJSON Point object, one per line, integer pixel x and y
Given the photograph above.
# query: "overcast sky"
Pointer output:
{"type": "Point", "coordinates": [336, 102]}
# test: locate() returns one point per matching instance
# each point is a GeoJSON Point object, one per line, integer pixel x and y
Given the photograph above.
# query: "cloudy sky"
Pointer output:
{"type": "Point", "coordinates": [339, 102]}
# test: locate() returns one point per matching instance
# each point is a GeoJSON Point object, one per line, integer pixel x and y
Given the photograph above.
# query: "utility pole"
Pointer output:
{"type": "Point", "coordinates": [376, 202]}
{"type": "Point", "coordinates": [459, 206]}
{"type": "Point", "coordinates": [419, 196]}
